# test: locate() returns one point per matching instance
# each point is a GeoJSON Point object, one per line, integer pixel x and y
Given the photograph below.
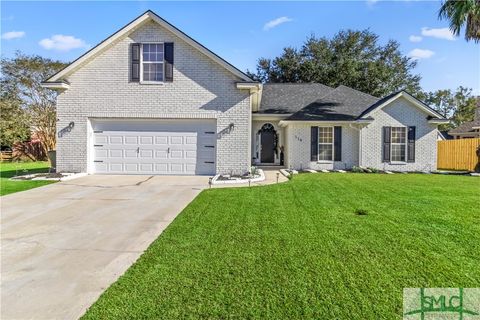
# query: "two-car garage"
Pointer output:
{"type": "Point", "coordinates": [169, 147]}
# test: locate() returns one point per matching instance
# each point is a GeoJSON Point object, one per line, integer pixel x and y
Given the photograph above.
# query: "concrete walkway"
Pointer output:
{"type": "Point", "coordinates": [64, 244]}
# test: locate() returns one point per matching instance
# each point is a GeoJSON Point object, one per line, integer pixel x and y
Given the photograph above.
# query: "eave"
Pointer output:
{"type": "Point", "coordinates": [60, 85]}
{"type": "Point", "coordinates": [284, 123]}
{"type": "Point", "coordinates": [131, 27]}
{"type": "Point", "coordinates": [438, 121]}
{"type": "Point", "coordinates": [270, 116]}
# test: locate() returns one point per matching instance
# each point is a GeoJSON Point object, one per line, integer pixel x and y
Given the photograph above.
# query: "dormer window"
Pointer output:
{"type": "Point", "coordinates": [152, 62]}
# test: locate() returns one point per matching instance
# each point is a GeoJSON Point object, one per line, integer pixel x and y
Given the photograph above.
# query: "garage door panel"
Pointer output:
{"type": "Point", "coordinates": [161, 168]}
{"type": "Point", "coordinates": [102, 153]}
{"type": "Point", "coordinates": [116, 167]}
{"type": "Point", "coordinates": [100, 167]}
{"type": "Point", "coordinates": [129, 153]}
{"type": "Point", "coordinates": [190, 154]}
{"type": "Point", "coordinates": [131, 140]}
{"type": "Point", "coordinates": [189, 167]}
{"type": "Point", "coordinates": [100, 139]}
{"type": "Point", "coordinates": [115, 140]}
{"type": "Point", "coordinates": [176, 154]}
{"type": "Point", "coordinates": [161, 154]}
{"type": "Point", "coordinates": [148, 140]}
{"type": "Point", "coordinates": [146, 167]}
{"type": "Point", "coordinates": [176, 140]}
{"type": "Point", "coordinates": [115, 153]}
{"type": "Point", "coordinates": [191, 140]}
{"type": "Point", "coordinates": [131, 167]}
{"type": "Point", "coordinates": [176, 167]}
{"type": "Point", "coordinates": [181, 147]}
{"type": "Point", "coordinates": [162, 140]}
{"type": "Point", "coordinates": [146, 153]}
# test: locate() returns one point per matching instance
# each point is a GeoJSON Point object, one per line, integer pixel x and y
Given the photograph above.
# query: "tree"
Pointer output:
{"type": "Point", "coordinates": [462, 13]}
{"type": "Point", "coordinates": [352, 58]}
{"type": "Point", "coordinates": [457, 106]}
{"type": "Point", "coordinates": [21, 77]}
{"type": "Point", "coordinates": [13, 121]}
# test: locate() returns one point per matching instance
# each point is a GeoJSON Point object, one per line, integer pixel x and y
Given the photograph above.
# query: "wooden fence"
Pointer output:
{"type": "Point", "coordinates": [460, 154]}
{"type": "Point", "coordinates": [6, 156]}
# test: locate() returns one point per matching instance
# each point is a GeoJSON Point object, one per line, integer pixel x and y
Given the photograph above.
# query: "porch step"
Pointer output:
{"type": "Point", "coordinates": [271, 167]}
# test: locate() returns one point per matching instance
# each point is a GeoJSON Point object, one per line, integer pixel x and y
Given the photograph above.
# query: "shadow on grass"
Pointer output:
{"type": "Point", "coordinates": [21, 172]}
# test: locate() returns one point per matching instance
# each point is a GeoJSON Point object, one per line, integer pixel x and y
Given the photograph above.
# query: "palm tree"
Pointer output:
{"type": "Point", "coordinates": [461, 12]}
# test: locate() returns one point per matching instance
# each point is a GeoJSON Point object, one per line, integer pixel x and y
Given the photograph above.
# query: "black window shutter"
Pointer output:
{"type": "Point", "coordinates": [411, 144]}
{"type": "Point", "coordinates": [168, 61]}
{"type": "Point", "coordinates": [135, 63]}
{"type": "Point", "coordinates": [386, 144]}
{"type": "Point", "coordinates": [337, 143]}
{"type": "Point", "coordinates": [314, 144]}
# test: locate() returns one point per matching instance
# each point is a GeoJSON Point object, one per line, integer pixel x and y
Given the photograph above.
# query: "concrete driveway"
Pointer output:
{"type": "Point", "coordinates": [64, 244]}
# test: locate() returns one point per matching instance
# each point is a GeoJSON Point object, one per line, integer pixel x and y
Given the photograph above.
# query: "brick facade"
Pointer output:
{"type": "Point", "coordinates": [298, 151]}
{"type": "Point", "coordinates": [201, 88]}
{"type": "Point", "coordinates": [362, 146]}
{"type": "Point", "coordinates": [400, 113]}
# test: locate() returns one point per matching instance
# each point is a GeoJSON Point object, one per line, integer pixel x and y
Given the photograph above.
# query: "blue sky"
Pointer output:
{"type": "Point", "coordinates": [242, 32]}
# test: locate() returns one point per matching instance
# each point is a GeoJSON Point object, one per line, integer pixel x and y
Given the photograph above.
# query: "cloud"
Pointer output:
{"type": "Point", "coordinates": [417, 54]}
{"type": "Point", "coordinates": [414, 38]}
{"type": "Point", "coordinates": [276, 22]}
{"type": "Point", "coordinates": [439, 33]}
{"type": "Point", "coordinates": [13, 35]}
{"type": "Point", "coordinates": [62, 43]}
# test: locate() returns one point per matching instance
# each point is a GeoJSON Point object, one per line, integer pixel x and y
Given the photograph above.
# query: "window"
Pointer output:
{"type": "Point", "coordinates": [399, 143]}
{"type": "Point", "coordinates": [152, 62]}
{"type": "Point", "coordinates": [325, 143]}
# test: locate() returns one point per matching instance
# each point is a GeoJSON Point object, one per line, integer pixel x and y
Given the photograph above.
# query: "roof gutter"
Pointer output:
{"type": "Point", "coordinates": [59, 85]}
{"type": "Point", "coordinates": [285, 123]}
{"type": "Point", "coordinates": [252, 86]}
{"type": "Point", "coordinates": [256, 89]}
{"type": "Point", "coordinates": [438, 121]}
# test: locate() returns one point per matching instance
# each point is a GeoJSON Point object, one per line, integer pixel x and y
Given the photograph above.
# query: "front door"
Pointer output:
{"type": "Point", "coordinates": [267, 141]}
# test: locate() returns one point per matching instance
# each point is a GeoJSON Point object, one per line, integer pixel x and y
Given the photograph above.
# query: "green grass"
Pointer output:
{"type": "Point", "coordinates": [10, 169]}
{"type": "Point", "coordinates": [322, 246]}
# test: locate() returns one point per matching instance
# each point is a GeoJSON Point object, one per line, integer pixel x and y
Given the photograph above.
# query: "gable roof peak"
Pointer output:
{"type": "Point", "coordinates": [130, 27]}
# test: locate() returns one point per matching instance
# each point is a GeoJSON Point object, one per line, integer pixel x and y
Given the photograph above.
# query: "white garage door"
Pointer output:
{"type": "Point", "coordinates": [154, 147]}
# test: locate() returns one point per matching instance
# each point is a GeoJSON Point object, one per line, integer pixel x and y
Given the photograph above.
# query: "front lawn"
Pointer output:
{"type": "Point", "coordinates": [10, 169]}
{"type": "Point", "coordinates": [298, 250]}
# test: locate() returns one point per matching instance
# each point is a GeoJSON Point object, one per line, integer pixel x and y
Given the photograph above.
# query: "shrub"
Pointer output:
{"type": "Point", "coordinates": [357, 169]}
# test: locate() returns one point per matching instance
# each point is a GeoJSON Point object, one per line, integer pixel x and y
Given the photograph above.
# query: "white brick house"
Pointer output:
{"type": "Point", "coordinates": [151, 100]}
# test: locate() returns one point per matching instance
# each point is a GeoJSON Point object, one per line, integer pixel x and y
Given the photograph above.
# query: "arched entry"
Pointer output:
{"type": "Point", "coordinates": [268, 141]}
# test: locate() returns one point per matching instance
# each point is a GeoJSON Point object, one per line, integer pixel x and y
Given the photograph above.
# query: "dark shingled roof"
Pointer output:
{"type": "Point", "coordinates": [467, 127]}
{"type": "Point", "coordinates": [340, 104]}
{"type": "Point", "coordinates": [284, 98]}
{"type": "Point", "coordinates": [317, 102]}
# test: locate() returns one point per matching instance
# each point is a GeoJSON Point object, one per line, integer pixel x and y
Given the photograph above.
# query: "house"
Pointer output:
{"type": "Point", "coordinates": [443, 135]}
{"type": "Point", "coordinates": [470, 129]}
{"type": "Point", "coordinates": [151, 100]}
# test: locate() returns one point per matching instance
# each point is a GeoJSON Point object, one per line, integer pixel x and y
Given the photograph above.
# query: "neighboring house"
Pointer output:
{"type": "Point", "coordinates": [151, 100]}
{"type": "Point", "coordinates": [470, 129]}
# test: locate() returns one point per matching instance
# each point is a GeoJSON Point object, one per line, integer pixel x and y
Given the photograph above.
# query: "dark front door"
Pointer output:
{"type": "Point", "coordinates": [267, 147]}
